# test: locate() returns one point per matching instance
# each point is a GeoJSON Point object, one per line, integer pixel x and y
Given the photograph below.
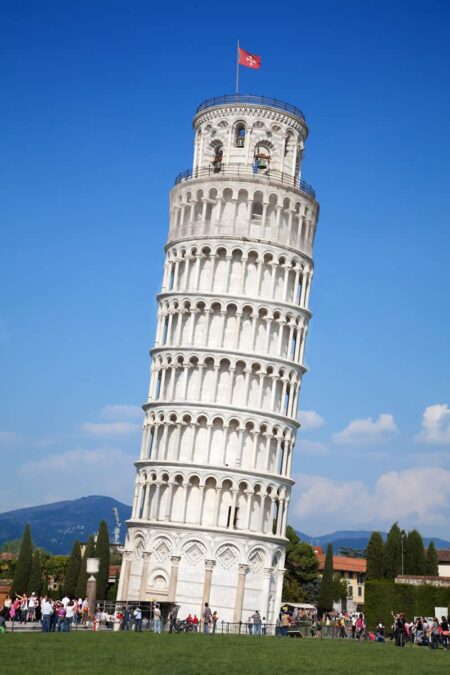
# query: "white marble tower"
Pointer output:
{"type": "Point", "coordinates": [214, 475]}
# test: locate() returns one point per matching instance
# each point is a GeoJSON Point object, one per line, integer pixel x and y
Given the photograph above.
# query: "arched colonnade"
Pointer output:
{"type": "Point", "coordinates": [215, 440]}
{"type": "Point", "coordinates": [187, 498]}
{"type": "Point", "coordinates": [234, 271]}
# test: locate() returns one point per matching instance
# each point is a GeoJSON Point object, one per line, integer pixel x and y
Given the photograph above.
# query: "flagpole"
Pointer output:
{"type": "Point", "coordinates": [237, 69]}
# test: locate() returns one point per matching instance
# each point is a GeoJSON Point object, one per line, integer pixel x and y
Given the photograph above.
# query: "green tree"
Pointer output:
{"type": "Point", "coordinates": [302, 570]}
{"type": "Point", "coordinates": [72, 570]}
{"type": "Point", "coordinates": [432, 561]}
{"type": "Point", "coordinates": [24, 564]}
{"type": "Point", "coordinates": [102, 553]}
{"type": "Point", "coordinates": [35, 580]}
{"type": "Point", "coordinates": [89, 552]}
{"type": "Point", "coordinates": [393, 553]}
{"type": "Point", "coordinates": [375, 556]}
{"type": "Point", "coordinates": [327, 588]}
{"type": "Point", "coordinates": [414, 554]}
{"type": "Point", "coordinates": [340, 589]}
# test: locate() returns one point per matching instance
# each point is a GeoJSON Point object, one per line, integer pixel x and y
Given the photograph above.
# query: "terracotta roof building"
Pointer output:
{"type": "Point", "coordinates": [352, 571]}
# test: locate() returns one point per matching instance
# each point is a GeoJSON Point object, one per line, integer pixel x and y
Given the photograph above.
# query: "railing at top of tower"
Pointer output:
{"type": "Point", "coordinates": [229, 99]}
{"type": "Point", "coordinates": [246, 171]}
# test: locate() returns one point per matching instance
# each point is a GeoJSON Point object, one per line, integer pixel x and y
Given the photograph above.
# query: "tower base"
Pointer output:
{"type": "Point", "coordinates": [236, 575]}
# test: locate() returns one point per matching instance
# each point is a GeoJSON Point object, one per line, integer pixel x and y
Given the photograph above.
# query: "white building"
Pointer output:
{"type": "Point", "coordinates": [213, 479]}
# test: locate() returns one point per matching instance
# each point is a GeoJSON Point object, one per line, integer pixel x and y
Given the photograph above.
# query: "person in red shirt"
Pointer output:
{"type": "Point", "coordinates": [195, 621]}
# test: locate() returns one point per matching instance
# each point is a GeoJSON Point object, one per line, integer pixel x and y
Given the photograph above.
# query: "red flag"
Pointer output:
{"type": "Point", "coordinates": [249, 60]}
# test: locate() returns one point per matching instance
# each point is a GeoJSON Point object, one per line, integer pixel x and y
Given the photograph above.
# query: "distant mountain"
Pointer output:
{"type": "Point", "coordinates": [56, 526]}
{"type": "Point", "coordinates": [357, 539]}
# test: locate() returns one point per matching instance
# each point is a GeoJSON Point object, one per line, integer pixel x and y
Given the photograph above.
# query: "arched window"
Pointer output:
{"type": "Point", "coordinates": [262, 159]}
{"type": "Point", "coordinates": [239, 138]}
{"type": "Point", "coordinates": [218, 155]}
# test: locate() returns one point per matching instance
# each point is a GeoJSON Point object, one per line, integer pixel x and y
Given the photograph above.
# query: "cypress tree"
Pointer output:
{"type": "Point", "coordinates": [72, 570]}
{"type": "Point", "coordinates": [89, 552]}
{"type": "Point", "coordinates": [415, 562]}
{"type": "Point", "coordinates": [375, 556]}
{"type": "Point", "coordinates": [432, 561]}
{"type": "Point", "coordinates": [24, 564]}
{"type": "Point", "coordinates": [102, 552]}
{"type": "Point", "coordinates": [393, 553]}
{"type": "Point", "coordinates": [327, 589]}
{"type": "Point", "coordinates": [35, 580]}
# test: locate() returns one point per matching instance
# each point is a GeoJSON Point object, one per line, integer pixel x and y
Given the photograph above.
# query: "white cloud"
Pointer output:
{"type": "Point", "coordinates": [418, 497]}
{"type": "Point", "coordinates": [308, 447]}
{"type": "Point", "coordinates": [78, 472]}
{"type": "Point", "coordinates": [122, 413]}
{"type": "Point", "coordinates": [366, 431]}
{"type": "Point", "coordinates": [435, 425]}
{"type": "Point", "coordinates": [309, 419]}
{"type": "Point", "coordinates": [110, 429]}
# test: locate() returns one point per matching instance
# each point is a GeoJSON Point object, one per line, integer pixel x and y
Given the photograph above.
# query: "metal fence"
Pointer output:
{"type": "Point", "coordinates": [267, 101]}
{"type": "Point", "coordinates": [246, 170]}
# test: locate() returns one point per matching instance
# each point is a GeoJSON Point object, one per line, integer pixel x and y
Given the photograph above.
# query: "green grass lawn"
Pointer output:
{"type": "Point", "coordinates": [88, 652]}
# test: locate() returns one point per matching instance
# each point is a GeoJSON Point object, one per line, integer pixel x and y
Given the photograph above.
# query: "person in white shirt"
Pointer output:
{"type": "Point", "coordinates": [65, 601]}
{"type": "Point", "coordinates": [138, 619]}
{"type": "Point", "coordinates": [32, 604]}
{"type": "Point", "coordinates": [46, 611]}
{"type": "Point", "coordinates": [70, 611]}
{"type": "Point", "coordinates": [156, 619]}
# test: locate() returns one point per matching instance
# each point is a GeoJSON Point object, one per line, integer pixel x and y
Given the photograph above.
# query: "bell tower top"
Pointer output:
{"type": "Point", "coordinates": [252, 133]}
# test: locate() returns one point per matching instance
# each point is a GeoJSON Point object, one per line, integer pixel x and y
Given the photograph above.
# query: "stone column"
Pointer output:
{"type": "Point", "coordinates": [217, 506]}
{"type": "Point", "coordinates": [122, 594]}
{"type": "Point", "coordinates": [197, 270]}
{"type": "Point", "coordinates": [303, 291]}
{"type": "Point", "coordinates": [146, 557]}
{"type": "Point", "coordinates": [180, 315]}
{"type": "Point", "coordinates": [238, 329]}
{"type": "Point", "coordinates": [279, 589]}
{"type": "Point", "coordinates": [239, 602]}
{"type": "Point", "coordinates": [298, 288]}
{"type": "Point", "coordinates": [175, 560]}
{"type": "Point", "coordinates": [268, 571]}
{"type": "Point", "coordinates": [228, 273]}
{"type": "Point", "coordinates": [269, 322]}
{"type": "Point", "coordinates": [285, 284]}
{"type": "Point", "coordinates": [308, 289]}
{"type": "Point", "coordinates": [209, 567]}
{"type": "Point", "coordinates": [175, 276]}
{"type": "Point", "coordinates": [302, 345]}
{"type": "Point", "coordinates": [145, 507]}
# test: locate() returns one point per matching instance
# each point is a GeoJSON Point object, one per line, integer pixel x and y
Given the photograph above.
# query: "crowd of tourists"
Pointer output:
{"type": "Point", "coordinates": [352, 625]}
{"type": "Point", "coordinates": [422, 631]}
{"type": "Point", "coordinates": [53, 615]}
{"type": "Point", "coordinates": [67, 613]}
{"type": "Point", "coordinates": [207, 622]}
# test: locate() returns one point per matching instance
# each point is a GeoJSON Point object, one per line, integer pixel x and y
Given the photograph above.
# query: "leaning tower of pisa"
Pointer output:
{"type": "Point", "coordinates": [213, 479]}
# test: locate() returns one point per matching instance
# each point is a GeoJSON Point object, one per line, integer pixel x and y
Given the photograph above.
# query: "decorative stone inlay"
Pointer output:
{"type": "Point", "coordinates": [256, 560]}
{"type": "Point", "coordinates": [161, 549]}
{"type": "Point", "coordinates": [227, 556]}
{"type": "Point", "coordinates": [194, 552]}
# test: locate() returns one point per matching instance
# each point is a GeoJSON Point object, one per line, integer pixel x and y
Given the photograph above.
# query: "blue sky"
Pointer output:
{"type": "Point", "coordinates": [97, 103]}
